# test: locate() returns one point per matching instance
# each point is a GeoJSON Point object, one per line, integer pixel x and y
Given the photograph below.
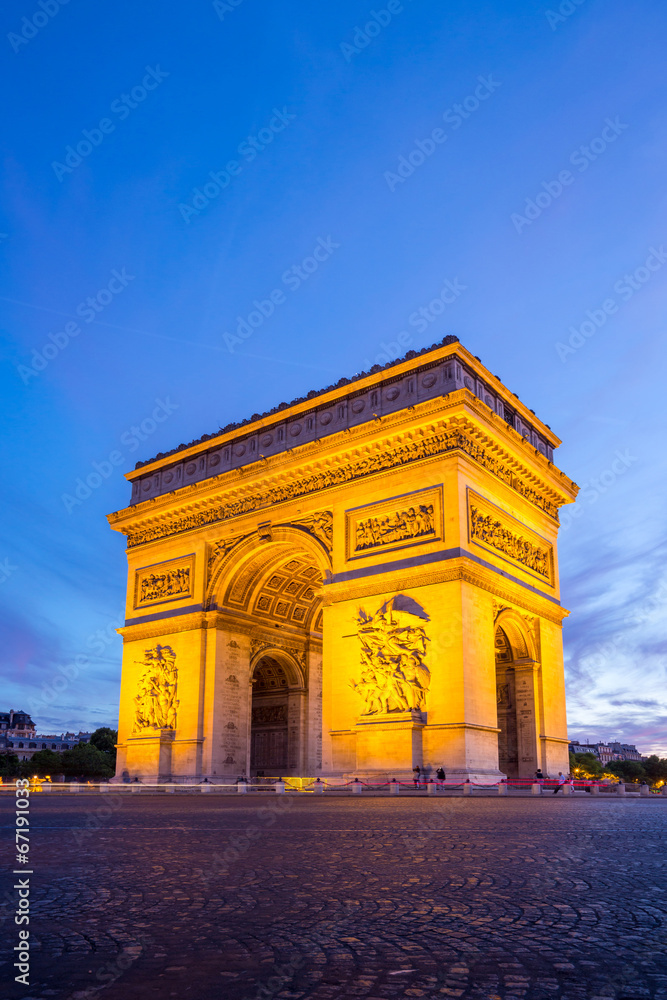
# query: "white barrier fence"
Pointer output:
{"type": "Point", "coordinates": [343, 786]}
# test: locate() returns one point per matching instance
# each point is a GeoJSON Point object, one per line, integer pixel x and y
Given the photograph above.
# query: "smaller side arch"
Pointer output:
{"type": "Point", "coordinates": [277, 741]}
{"type": "Point", "coordinates": [293, 669]}
{"type": "Point", "coordinates": [518, 691]}
{"type": "Point", "coordinates": [518, 635]}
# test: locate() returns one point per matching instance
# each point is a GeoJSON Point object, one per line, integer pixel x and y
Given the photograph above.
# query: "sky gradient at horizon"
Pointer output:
{"type": "Point", "coordinates": [543, 198]}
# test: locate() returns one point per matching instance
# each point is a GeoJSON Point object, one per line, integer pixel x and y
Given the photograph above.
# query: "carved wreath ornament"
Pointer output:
{"type": "Point", "coordinates": [394, 677]}
{"type": "Point", "coordinates": [155, 704]}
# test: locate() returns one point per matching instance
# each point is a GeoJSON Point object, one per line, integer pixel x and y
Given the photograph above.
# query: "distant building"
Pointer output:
{"type": "Point", "coordinates": [17, 736]}
{"type": "Point", "coordinates": [16, 723]}
{"type": "Point", "coordinates": [625, 751]}
{"type": "Point", "coordinates": [27, 746]}
{"type": "Point", "coordinates": [607, 752]}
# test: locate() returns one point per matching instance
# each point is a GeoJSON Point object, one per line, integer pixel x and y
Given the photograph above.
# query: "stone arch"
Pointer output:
{"type": "Point", "coordinates": [267, 585]}
{"type": "Point", "coordinates": [294, 670]}
{"type": "Point", "coordinates": [276, 713]}
{"type": "Point", "coordinates": [517, 633]}
{"type": "Point", "coordinates": [241, 569]}
{"type": "Point", "coordinates": [517, 685]}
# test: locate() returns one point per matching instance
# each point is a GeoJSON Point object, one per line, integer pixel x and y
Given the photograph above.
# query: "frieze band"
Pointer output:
{"type": "Point", "coordinates": [168, 581]}
{"type": "Point", "coordinates": [439, 441]}
{"type": "Point", "coordinates": [388, 529]}
{"type": "Point", "coordinates": [396, 522]}
{"type": "Point", "coordinates": [495, 530]}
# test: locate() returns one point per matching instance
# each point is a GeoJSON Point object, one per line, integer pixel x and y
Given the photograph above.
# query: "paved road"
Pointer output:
{"type": "Point", "coordinates": [297, 897]}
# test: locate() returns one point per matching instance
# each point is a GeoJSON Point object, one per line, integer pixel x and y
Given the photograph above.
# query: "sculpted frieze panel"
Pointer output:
{"type": "Point", "coordinates": [269, 715]}
{"type": "Point", "coordinates": [394, 523]}
{"type": "Point", "coordinates": [167, 581]}
{"type": "Point", "coordinates": [394, 676]}
{"type": "Point", "coordinates": [499, 532]}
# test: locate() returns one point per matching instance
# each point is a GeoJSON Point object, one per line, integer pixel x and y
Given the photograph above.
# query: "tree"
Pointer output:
{"type": "Point", "coordinates": [9, 765]}
{"type": "Point", "coordinates": [87, 761]}
{"type": "Point", "coordinates": [105, 739]}
{"type": "Point", "coordinates": [628, 770]}
{"type": "Point", "coordinates": [655, 768]}
{"type": "Point", "coordinates": [586, 765]}
{"type": "Point", "coordinates": [45, 762]}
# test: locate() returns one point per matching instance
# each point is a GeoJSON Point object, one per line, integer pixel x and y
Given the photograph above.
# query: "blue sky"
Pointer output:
{"type": "Point", "coordinates": [542, 195]}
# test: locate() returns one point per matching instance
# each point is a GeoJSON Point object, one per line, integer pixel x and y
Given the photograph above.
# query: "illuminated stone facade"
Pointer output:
{"type": "Point", "coordinates": [355, 583]}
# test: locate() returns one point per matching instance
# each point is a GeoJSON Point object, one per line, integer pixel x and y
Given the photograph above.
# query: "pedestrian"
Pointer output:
{"type": "Point", "coordinates": [539, 776]}
{"type": "Point", "coordinates": [417, 774]}
{"type": "Point", "coordinates": [440, 775]}
{"type": "Point", "coordinates": [562, 780]}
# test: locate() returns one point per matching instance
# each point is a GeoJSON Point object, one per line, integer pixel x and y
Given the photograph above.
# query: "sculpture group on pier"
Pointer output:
{"type": "Point", "coordinates": [394, 677]}
{"type": "Point", "coordinates": [155, 704]}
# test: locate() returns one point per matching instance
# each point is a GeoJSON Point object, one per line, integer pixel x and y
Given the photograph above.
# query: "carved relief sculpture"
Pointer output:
{"type": "Point", "coordinates": [394, 523]}
{"type": "Point", "coordinates": [411, 523]}
{"type": "Point", "coordinates": [492, 529]}
{"type": "Point", "coordinates": [220, 549]}
{"type": "Point", "coordinates": [486, 529]}
{"type": "Point", "coordinates": [155, 704]}
{"type": "Point", "coordinates": [159, 585]}
{"type": "Point", "coordinates": [268, 715]}
{"type": "Point", "coordinates": [438, 439]}
{"type": "Point", "coordinates": [394, 677]}
{"type": "Point", "coordinates": [163, 582]}
{"type": "Point", "coordinates": [259, 645]}
{"type": "Point", "coordinates": [320, 524]}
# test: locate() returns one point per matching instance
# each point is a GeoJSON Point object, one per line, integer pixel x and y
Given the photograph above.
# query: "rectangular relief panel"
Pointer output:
{"type": "Point", "coordinates": [495, 530]}
{"type": "Point", "coordinates": [172, 580]}
{"type": "Point", "coordinates": [395, 523]}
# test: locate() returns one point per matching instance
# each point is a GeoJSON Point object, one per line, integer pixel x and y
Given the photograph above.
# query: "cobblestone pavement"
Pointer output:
{"type": "Point", "coordinates": [291, 896]}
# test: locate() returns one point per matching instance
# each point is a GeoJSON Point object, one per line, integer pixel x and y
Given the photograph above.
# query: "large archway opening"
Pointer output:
{"type": "Point", "coordinates": [269, 732]}
{"type": "Point", "coordinates": [269, 584]}
{"type": "Point", "coordinates": [517, 687]}
{"type": "Point", "coordinates": [508, 738]}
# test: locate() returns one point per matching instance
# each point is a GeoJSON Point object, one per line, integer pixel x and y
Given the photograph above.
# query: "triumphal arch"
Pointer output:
{"type": "Point", "coordinates": [356, 582]}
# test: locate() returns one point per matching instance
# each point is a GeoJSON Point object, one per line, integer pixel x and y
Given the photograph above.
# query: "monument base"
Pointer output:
{"type": "Point", "coordinates": [388, 742]}
{"type": "Point", "coordinates": [147, 755]}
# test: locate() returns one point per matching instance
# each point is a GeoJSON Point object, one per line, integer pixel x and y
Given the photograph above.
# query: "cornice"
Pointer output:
{"type": "Point", "coordinates": [455, 569]}
{"type": "Point", "coordinates": [165, 626]}
{"type": "Point", "coordinates": [221, 621]}
{"type": "Point", "coordinates": [245, 492]}
{"type": "Point", "coordinates": [326, 448]}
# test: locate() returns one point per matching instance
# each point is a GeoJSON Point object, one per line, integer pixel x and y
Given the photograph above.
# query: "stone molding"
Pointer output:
{"type": "Point", "coordinates": [463, 725]}
{"type": "Point", "coordinates": [258, 646]}
{"type": "Point", "coordinates": [455, 569]}
{"type": "Point", "coordinates": [446, 436]}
